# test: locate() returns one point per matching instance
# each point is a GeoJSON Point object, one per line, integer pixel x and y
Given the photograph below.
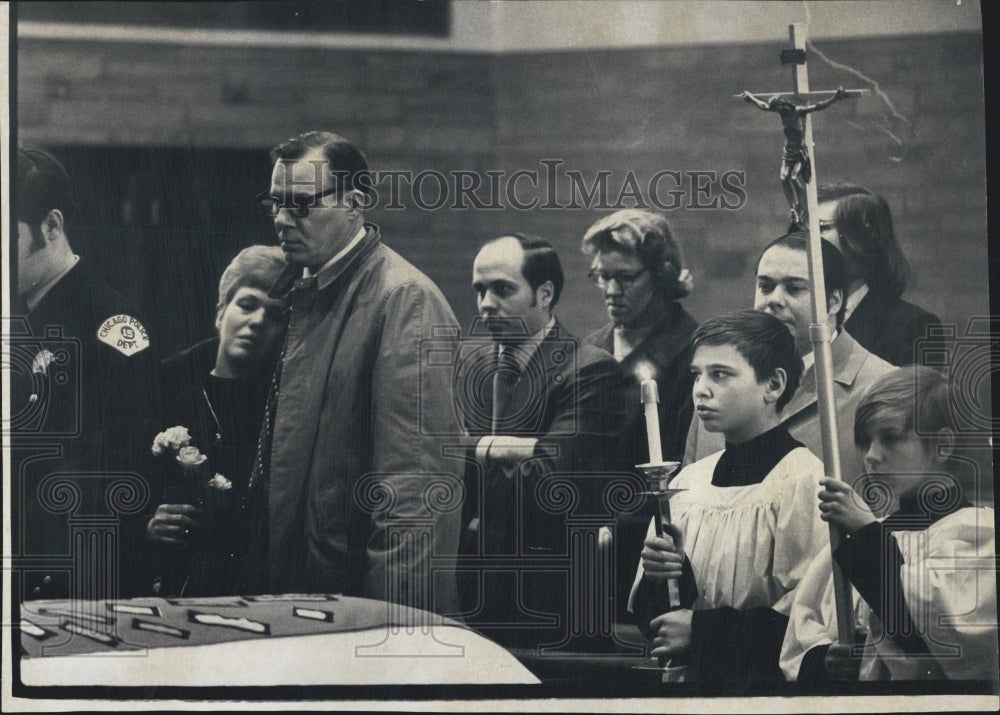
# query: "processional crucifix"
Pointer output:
{"type": "Point", "coordinates": [798, 173]}
{"type": "Point", "coordinates": [796, 162]}
{"type": "Point", "coordinates": [798, 178]}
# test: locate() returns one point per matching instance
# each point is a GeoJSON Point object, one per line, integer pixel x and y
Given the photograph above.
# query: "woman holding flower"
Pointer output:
{"type": "Point", "coordinates": [211, 528]}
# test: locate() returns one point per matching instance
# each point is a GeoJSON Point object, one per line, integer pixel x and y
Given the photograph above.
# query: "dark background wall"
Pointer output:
{"type": "Point", "coordinates": [168, 146]}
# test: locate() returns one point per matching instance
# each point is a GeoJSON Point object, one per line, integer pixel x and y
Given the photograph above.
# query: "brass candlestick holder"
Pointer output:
{"type": "Point", "coordinates": [658, 494]}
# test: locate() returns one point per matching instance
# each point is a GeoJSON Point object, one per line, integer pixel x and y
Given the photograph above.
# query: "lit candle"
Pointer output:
{"type": "Point", "coordinates": [650, 398]}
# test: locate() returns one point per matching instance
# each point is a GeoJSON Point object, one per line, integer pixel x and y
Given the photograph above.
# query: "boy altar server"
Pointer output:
{"type": "Point", "coordinates": [745, 528]}
{"type": "Point", "coordinates": [925, 573]}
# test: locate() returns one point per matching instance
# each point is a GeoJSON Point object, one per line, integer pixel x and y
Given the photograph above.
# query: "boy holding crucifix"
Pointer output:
{"type": "Point", "coordinates": [925, 573]}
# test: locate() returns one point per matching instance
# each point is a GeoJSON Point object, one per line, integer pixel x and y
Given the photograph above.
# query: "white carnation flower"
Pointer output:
{"type": "Point", "coordinates": [172, 439]}
{"type": "Point", "coordinates": [190, 457]}
{"type": "Point", "coordinates": [220, 482]}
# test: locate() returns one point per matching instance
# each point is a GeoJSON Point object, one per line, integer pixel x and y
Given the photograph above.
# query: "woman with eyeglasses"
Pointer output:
{"type": "Point", "coordinates": [638, 267]}
{"type": "Point", "coordinates": [209, 531]}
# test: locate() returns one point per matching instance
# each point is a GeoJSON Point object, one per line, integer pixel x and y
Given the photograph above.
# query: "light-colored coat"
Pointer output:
{"type": "Point", "coordinates": [362, 499]}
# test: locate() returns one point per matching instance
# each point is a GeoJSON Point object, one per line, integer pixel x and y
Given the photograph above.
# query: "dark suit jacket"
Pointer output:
{"type": "Point", "coordinates": [224, 555]}
{"type": "Point", "coordinates": [664, 356]}
{"type": "Point", "coordinates": [889, 327]}
{"type": "Point", "coordinates": [570, 396]}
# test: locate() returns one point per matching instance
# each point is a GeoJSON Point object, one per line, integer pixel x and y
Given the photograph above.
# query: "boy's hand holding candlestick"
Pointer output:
{"type": "Point", "coordinates": [673, 633]}
{"type": "Point", "coordinates": [663, 556]}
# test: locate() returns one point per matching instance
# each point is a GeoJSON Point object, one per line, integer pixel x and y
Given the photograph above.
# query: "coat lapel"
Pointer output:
{"type": "Point", "coordinates": [848, 356]}
{"type": "Point", "coordinates": [604, 338]}
{"type": "Point", "coordinates": [669, 338]}
{"type": "Point", "coordinates": [865, 317]}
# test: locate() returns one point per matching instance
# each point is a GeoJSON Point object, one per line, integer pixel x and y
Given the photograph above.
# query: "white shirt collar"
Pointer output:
{"type": "Point", "coordinates": [809, 359]}
{"type": "Point", "coordinates": [854, 299]}
{"type": "Point", "coordinates": [306, 273]}
{"type": "Point", "coordinates": [526, 350]}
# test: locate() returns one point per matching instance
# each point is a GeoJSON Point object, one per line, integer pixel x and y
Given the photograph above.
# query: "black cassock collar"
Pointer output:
{"type": "Point", "coordinates": [748, 463]}
{"type": "Point", "coordinates": [917, 512]}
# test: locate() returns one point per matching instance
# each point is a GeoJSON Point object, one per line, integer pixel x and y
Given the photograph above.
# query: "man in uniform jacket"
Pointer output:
{"type": "Point", "coordinates": [83, 382]}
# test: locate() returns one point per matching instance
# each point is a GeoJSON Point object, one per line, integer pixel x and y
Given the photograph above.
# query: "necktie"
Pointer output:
{"type": "Point", "coordinates": [304, 294]}
{"type": "Point", "coordinates": [260, 474]}
{"type": "Point", "coordinates": [506, 374]}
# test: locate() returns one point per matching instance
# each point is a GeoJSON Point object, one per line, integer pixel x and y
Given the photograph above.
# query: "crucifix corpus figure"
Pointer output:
{"type": "Point", "coordinates": [796, 169]}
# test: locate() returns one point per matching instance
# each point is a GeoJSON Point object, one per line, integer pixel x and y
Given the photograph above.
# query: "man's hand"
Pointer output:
{"type": "Point", "coordinates": [840, 666]}
{"type": "Point", "coordinates": [662, 558]}
{"type": "Point", "coordinates": [840, 505]}
{"type": "Point", "coordinates": [172, 524]}
{"type": "Point", "coordinates": [673, 633]}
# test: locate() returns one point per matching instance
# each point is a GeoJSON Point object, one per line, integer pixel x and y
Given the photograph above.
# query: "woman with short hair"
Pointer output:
{"type": "Point", "coordinates": [211, 529]}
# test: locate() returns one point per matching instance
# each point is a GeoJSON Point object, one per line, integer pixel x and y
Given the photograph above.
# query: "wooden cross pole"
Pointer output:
{"type": "Point", "coordinates": [798, 169]}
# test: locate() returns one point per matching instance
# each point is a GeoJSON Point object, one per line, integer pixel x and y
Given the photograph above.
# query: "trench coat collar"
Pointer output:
{"type": "Point", "coordinates": [291, 276]}
{"type": "Point", "coordinates": [848, 358]}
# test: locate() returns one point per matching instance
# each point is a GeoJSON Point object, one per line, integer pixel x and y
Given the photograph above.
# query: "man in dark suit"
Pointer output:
{"type": "Point", "coordinates": [859, 223]}
{"type": "Point", "coordinates": [545, 412]}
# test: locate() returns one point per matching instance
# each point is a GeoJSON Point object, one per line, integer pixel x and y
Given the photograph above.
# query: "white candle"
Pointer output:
{"type": "Point", "coordinates": [650, 398]}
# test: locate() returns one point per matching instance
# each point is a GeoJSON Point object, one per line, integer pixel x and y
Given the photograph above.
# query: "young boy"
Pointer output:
{"type": "Point", "coordinates": [925, 573]}
{"type": "Point", "coordinates": [745, 528]}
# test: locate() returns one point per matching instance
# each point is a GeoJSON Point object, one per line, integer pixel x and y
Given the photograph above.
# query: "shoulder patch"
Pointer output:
{"type": "Point", "coordinates": [124, 333]}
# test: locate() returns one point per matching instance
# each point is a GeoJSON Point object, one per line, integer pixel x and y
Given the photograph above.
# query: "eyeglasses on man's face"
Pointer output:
{"type": "Point", "coordinates": [625, 279]}
{"type": "Point", "coordinates": [299, 204]}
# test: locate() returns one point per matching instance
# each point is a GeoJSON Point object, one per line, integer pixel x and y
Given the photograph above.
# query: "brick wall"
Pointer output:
{"type": "Point", "coordinates": [620, 111]}
{"type": "Point", "coordinates": [649, 110]}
